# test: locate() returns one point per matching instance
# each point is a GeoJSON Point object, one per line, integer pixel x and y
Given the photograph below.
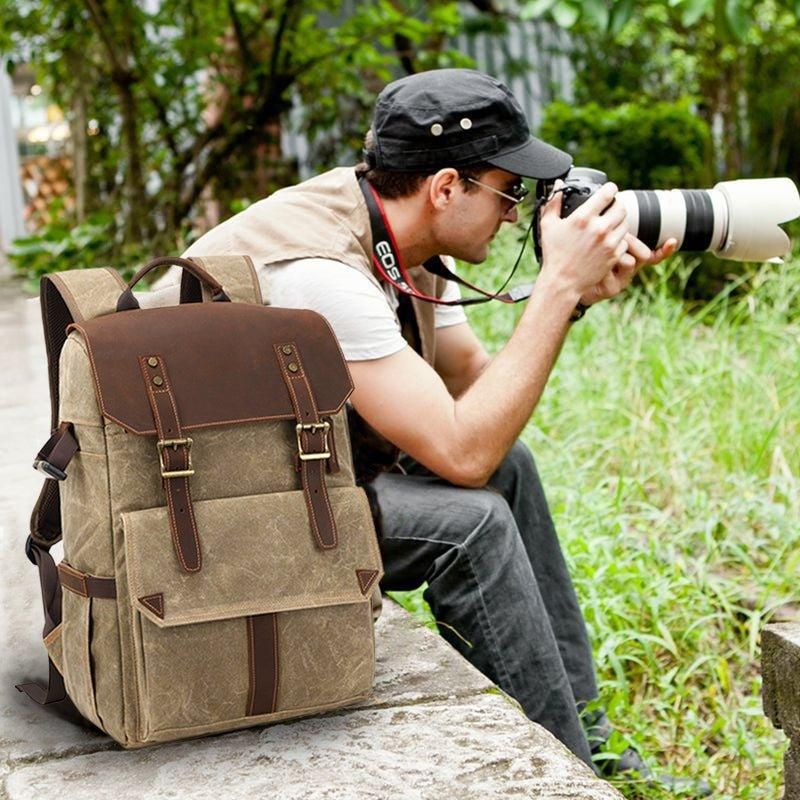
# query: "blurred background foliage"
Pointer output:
{"type": "Point", "coordinates": [193, 97]}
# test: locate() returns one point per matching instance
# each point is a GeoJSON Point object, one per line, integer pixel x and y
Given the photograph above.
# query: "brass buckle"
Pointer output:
{"type": "Point", "coordinates": [313, 427]}
{"type": "Point", "coordinates": [174, 444]}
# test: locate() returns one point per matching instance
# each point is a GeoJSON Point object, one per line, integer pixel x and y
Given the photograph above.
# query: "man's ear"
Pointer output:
{"type": "Point", "coordinates": [442, 186]}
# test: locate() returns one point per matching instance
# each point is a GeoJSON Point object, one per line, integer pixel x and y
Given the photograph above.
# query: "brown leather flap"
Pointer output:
{"type": "Point", "coordinates": [219, 359]}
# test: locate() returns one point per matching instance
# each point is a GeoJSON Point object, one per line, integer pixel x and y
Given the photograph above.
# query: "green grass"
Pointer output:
{"type": "Point", "coordinates": [668, 443]}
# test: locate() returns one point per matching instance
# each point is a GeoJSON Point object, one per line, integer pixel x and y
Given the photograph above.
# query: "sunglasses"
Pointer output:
{"type": "Point", "coordinates": [515, 195]}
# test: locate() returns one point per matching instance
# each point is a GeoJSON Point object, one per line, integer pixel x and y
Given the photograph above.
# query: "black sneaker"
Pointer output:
{"type": "Point", "coordinates": [631, 765]}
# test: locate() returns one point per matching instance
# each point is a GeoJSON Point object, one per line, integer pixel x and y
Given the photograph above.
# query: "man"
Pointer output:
{"type": "Point", "coordinates": [463, 508]}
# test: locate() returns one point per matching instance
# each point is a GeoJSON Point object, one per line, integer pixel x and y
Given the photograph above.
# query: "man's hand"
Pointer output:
{"type": "Point", "coordinates": [638, 254]}
{"type": "Point", "coordinates": [580, 251]}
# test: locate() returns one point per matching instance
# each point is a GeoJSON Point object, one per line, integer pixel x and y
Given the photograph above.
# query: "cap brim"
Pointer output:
{"type": "Point", "coordinates": [534, 159]}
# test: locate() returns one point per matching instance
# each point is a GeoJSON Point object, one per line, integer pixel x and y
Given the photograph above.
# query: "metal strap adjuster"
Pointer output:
{"type": "Point", "coordinates": [175, 444]}
{"type": "Point", "coordinates": [48, 470]}
{"type": "Point", "coordinates": [313, 427]}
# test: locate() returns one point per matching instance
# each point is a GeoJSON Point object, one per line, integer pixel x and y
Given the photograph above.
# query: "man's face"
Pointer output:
{"type": "Point", "coordinates": [473, 217]}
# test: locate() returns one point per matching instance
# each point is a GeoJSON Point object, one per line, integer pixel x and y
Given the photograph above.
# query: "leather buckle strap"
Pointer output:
{"type": "Point", "coordinates": [313, 427]}
{"type": "Point", "coordinates": [175, 462]}
{"type": "Point", "coordinates": [174, 444]}
{"type": "Point", "coordinates": [312, 445]}
{"type": "Point", "coordinates": [56, 453]}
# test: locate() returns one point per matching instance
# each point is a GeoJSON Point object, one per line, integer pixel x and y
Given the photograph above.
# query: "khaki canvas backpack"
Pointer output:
{"type": "Point", "coordinates": [218, 557]}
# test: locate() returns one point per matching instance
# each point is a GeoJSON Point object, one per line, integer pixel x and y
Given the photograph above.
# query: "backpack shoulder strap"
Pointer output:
{"type": "Point", "coordinates": [236, 274]}
{"type": "Point", "coordinates": [65, 297]}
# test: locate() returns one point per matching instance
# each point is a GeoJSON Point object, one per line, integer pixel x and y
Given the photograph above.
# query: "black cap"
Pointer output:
{"type": "Point", "coordinates": [455, 118]}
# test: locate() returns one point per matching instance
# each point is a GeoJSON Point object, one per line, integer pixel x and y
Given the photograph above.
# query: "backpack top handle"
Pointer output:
{"type": "Point", "coordinates": [127, 301]}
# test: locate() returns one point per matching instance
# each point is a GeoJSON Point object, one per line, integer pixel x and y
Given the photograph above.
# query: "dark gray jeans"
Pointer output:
{"type": "Point", "coordinates": [497, 579]}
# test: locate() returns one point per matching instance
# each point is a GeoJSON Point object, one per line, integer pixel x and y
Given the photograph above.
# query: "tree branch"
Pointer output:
{"type": "Point", "coordinates": [248, 61]}
{"type": "Point", "coordinates": [249, 126]}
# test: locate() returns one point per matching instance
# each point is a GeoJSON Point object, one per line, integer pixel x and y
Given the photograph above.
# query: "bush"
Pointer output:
{"type": "Point", "coordinates": [63, 245]}
{"type": "Point", "coordinates": [638, 145]}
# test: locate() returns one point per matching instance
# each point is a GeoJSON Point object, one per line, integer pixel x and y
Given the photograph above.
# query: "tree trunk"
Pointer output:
{"type": "Point", "coordinates": [78, 125]}
{"type": "Point", "coordinates": [137, 227]}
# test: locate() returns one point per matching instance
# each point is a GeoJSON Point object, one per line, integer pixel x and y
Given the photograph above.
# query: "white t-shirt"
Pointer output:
{"type": "Point", "coordinates": [361, 310]}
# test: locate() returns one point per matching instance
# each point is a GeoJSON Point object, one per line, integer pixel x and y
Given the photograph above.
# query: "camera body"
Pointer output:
{"type": "Point", "coordinates": [580, 184]}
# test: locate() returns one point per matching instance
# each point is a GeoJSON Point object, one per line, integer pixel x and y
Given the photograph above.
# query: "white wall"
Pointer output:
{"type": "Point", "coordinates": [11, 224]}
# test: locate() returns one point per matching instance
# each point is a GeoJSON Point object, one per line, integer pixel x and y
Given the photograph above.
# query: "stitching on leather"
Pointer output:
{"type": "Point", "coordinates": [366, 577]}
{"type": "Point", "coordinates": [155, 602]}
{"type": "Point", "coordinates": [344, 361]}
{"type": "Point", "coordinates": [159, 430]}
{"type": "Point", "coordinates": [317, 466]}
{"type": "Point", "coordinates": [324, 490]}
{"type": "Point", "coordinates": [298, 414]}
{"type": "Point", "coordinates": [192, 522]}
{"type": "Point", "coordinates": [215, 424]}
{"type": "Point", "coordinates": [190, 510]}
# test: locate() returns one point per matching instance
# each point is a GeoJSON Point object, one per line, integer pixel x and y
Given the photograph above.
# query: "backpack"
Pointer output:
{"type": "Point", "coordinates": [218, 556]}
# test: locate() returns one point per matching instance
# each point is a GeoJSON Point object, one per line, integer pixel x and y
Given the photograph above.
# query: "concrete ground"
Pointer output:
{"type": "Point", "coordinates": [433, 727]}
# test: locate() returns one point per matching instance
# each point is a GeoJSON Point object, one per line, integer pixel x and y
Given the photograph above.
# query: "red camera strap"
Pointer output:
{"type": "Point", "coordinates": [389, 263]}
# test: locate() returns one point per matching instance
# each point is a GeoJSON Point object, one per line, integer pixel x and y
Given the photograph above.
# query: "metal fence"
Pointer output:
{"type": "Point", "coordinates": [528, 56]}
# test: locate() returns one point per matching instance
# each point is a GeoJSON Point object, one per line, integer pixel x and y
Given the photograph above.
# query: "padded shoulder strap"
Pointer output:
{"type": "Point", "coordinates": [237, 274]}
{"type": "Point", "coordinates": [67, 297]}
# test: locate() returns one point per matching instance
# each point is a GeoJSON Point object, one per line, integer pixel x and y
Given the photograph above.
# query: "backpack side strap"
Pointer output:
{"type": "Point", "coordinates": [54, 692]}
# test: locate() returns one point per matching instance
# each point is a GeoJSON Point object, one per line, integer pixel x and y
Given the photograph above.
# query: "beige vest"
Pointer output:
{"type": "Point", "coordinates": [326, 217]}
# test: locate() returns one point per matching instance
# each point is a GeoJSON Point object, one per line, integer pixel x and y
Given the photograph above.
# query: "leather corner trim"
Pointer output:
{"type": "Point", "coordinates": [366, 577]}
{"type": "Point", "coordinates": [154, 602]}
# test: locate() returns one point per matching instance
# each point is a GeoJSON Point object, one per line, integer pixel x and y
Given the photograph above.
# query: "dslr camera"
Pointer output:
{"type": "Point", "coordinates": [737, 220]}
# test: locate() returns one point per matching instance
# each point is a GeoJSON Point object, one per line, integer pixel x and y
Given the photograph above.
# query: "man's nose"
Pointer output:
{"type": "Point", "coordinates": [511, 214]}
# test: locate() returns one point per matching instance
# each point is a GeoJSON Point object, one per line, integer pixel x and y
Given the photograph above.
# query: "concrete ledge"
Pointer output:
{"type": "Point", "coordinates": [780, 666]}
{"type": "Point", "coordinates": [473, 747]}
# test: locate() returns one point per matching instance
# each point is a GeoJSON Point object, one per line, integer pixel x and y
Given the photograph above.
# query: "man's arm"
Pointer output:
{"type": "Point", "coordinates": [463, 440]}
{"type": "Point", "coordinates": [460, 357]}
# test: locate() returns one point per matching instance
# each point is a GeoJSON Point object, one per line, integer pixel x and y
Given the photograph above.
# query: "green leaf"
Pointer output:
{"type": "Point", "coordinates": [565, 14]}
{"type": "Point", "coordinates": [537, 8]}
{"type": "Point", "coordinates": [693, 10]}
{"type": "Point", "coordinates": [738, 19]}
{"type": "Point", "coordinates": [596, 13]}
{"type": "Point", "coordinates": [621, 14]}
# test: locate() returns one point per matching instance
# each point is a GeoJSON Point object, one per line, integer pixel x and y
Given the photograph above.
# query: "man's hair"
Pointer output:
{"type": "Point", "coordinates": [395, 185]}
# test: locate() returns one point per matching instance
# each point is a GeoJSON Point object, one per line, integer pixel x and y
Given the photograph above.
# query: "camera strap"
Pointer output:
{"type": "Point", "coordinates": [389, 264]}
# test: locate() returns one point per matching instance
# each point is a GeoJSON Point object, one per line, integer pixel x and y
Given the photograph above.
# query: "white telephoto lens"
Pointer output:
{"type": "Point", "coordinates": [736, 220]}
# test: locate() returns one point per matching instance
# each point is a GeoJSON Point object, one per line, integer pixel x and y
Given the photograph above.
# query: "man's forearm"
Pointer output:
{"type": "Point", "coordinates": [491, 414]}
